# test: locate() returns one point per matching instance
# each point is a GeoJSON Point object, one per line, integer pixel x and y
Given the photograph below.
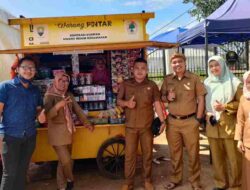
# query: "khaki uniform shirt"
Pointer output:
{"type": "Point", "coordinates": [226, 126]}
{"type": "Point", "coordinates": [186, 91]}
{"type": "Point", "coordinates": [58, 133]}
{"type": "Point", "coordinates": [145, 93]}
{"type": "Point", "coordinates": [242, 131]}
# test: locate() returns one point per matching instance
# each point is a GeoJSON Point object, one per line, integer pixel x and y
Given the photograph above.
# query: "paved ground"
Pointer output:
{"type": "Point", "coordinates": [88, 177]}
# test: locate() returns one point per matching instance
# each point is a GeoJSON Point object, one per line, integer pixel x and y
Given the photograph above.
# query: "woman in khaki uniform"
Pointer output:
{"type": "Point", "coordinates": [59, 105]}
{"type": "Point", "coordinates": [222, 100]}
{"type": "Point", "coordinates": [242, 133]}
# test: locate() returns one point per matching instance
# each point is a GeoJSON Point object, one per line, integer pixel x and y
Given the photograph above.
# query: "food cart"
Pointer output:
{"type": "Point", "coordinates": [74, 44]}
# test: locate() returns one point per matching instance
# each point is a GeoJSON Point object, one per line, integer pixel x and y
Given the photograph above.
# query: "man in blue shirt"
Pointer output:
{"type": "Point", "coordinates": [20, 102]}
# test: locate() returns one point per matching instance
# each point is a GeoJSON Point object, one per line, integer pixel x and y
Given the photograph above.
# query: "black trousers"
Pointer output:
{"type": "Point", "coordinates": [16, 157]}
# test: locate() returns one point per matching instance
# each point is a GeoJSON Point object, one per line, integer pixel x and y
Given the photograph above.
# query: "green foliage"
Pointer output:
{"type": "Point", "coordinates": [204, 8]}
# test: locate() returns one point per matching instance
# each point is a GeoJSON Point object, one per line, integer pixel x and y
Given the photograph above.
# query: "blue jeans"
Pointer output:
{"type": "Point", "coordinates": [16, 157]}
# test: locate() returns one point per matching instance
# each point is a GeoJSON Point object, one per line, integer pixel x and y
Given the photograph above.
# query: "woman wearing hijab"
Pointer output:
{"type": "Point", "coordinates": [59, 105]}
{"type": "Point", "coordinates": [222, 100]}
{"type": "Point", "coordinates": [242, 133]}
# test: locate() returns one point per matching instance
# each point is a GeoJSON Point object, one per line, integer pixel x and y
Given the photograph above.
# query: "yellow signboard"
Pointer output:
{"type": "Point", "coordinates": [77, 32]}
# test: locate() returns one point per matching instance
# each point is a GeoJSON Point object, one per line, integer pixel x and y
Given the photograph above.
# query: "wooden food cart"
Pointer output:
{"type": "Point", "coordinates": [120, 39]}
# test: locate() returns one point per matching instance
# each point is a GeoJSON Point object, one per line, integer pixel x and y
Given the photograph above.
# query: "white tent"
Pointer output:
{"type": "Point", "coordinates": [9, 39]}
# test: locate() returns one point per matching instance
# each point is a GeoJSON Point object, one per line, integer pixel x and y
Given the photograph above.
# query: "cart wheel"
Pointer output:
{"type": "Point", "coordinates": [110, 158]}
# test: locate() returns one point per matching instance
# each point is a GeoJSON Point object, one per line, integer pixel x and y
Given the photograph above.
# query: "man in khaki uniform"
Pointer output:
{"type": "Point", "coordinates": [185, 96]}
{"type": "Point", "coordinates": [139, 96]}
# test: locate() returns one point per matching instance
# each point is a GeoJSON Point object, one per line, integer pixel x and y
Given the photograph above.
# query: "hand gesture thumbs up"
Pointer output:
{"type": "Point", "coordinates": [219, 106]}
{"type": "Point", "coordinates": [42, 117]}
{"type": "Point", "coordinates": [131, 102]}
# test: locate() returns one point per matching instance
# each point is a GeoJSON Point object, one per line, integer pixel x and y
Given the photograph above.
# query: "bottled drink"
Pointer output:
{"type": "Point", "coordinates": [109, 99]}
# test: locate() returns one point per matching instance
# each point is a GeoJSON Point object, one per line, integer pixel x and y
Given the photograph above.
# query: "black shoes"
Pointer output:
{"type": "Point", "coordinates": [70, 185]}
{"type": "Point", "coordinates": [217, 188]}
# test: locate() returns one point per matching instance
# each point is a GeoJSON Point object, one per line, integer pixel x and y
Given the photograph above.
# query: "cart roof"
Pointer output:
{"type": "Point", "coordinates": [47, 20]}
{"type": "Point", "coordinates": [80, 48]}
{"type": "Point", "coordinates": [84, 47]}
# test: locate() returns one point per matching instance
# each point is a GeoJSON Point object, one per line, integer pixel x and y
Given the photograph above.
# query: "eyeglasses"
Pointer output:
{"type": "Point", "coordinates": [26, 68]}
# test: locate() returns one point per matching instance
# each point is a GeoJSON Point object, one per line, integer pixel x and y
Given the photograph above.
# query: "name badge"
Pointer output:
{"type": "Point", "coordinates": [187, 86]}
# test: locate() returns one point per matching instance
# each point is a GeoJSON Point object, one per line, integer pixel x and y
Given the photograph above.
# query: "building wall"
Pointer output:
{"type": "Point", "coordinates": [9, 39]}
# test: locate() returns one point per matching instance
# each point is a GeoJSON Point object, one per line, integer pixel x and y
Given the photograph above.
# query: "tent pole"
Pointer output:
{"type": "Point", "coordinates": [247, 53]}
{"type": "Point", "coordinates": [164, 62]}
{"type": "Point", "coordinates": [206, 48]}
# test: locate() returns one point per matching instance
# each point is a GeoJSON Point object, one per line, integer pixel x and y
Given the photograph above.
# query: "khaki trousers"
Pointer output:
{"type": "Point", "coordinates": [246, 170]}
{"type": "Point", "coordinates": [180, 133]}
{"type": "Point", "coordinates": [64, 166]}
{"type": "Point", "coordinates": [226, 163]}
{"type": "Point", "coordinates": [133, 137]}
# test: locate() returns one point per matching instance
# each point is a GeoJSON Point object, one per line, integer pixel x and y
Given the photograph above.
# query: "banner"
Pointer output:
{"type": "Point", "coordinates": [100, 31]}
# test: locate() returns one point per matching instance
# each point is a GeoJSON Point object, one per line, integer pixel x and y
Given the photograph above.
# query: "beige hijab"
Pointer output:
{"type": "Point", "coordinates": [53, 90]}
{"type": "Point", "coordinates": [246, 93]}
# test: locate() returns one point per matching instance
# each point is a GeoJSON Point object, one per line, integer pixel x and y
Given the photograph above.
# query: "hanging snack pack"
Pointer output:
{"type": "Point", "coordinates": [122, 62]}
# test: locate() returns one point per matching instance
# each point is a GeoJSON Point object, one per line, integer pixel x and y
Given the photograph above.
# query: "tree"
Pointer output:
{"type": "Point", "coordinates": [204, 8]}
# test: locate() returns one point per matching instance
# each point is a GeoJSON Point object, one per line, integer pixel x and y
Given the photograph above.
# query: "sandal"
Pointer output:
{"type": "Point", "coordinates": [171, 185]}
{"type": "Point", "coordinates": [156, 161]}
{"type": "Point", "coordinates": [163, 158]}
